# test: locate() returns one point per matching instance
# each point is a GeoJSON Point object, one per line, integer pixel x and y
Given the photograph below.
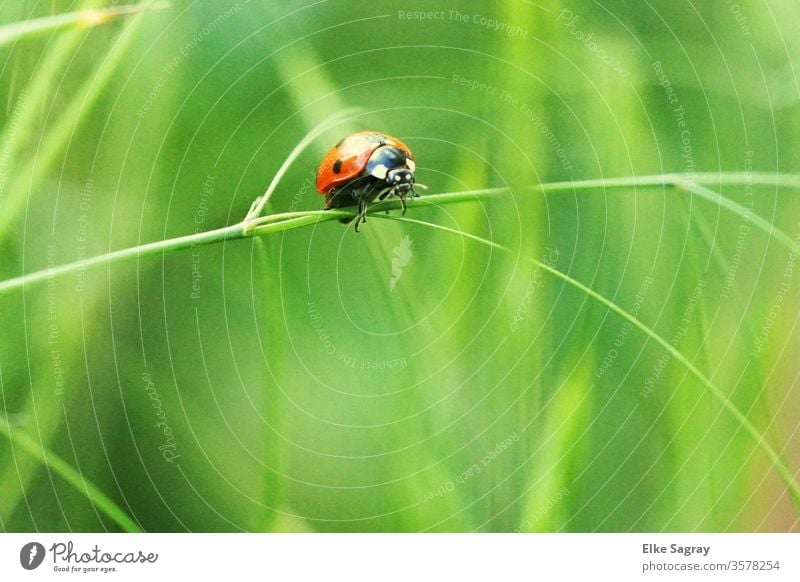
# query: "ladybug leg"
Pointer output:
{"type": "Point", "coordinates": [403, 203]}
{"type": "Point", "coordinates": [362, 213]}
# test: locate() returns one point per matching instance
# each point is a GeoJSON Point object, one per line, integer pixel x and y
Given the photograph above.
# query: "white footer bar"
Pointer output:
{"type": "Point", "coordinates": [400, 557]}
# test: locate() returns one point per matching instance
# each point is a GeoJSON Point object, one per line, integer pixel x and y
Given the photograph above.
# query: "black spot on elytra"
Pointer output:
{"type": "Point", "coordinates": [337, 166]}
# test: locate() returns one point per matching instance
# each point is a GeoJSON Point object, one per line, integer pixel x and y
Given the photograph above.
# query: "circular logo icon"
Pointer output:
{"type": "Point", "coordinates": [31, 555]}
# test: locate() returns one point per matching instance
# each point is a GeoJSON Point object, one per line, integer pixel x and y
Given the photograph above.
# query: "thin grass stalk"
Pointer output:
{"type": "Point", "coordinates": [79, 19]}
{"type": "Point", "coordinates": [60, 467]}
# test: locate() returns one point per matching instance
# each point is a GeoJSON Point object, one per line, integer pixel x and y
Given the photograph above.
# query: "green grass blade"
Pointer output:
{"type": "Point", "coordinates": [60, 467]}
{"type": "Point", "coordinates": [757, 221]}
{"type": "Point", "coordinates": [724, 178]}
{"type": "Point", "coordinates": [144, 250]}
{"type": "Point", "coordinates": [290, 220]}
{"type": "Point", "coordinates": [703, 192]}
{"type": "Point", "coordinates": [25, 113]}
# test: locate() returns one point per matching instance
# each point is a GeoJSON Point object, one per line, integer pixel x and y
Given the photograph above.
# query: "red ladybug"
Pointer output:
{"type": "Point", "coordinates": [363, 167]}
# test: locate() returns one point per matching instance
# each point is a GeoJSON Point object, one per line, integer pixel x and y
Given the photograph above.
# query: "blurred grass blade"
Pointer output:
{"type": "Point", "coordinates": [777, 463]}
{"type": "Point", "coordinates": [25, 106]}
{"type": "Point", "coordinates": [28, 105]}
{"type": "Point", "coordinates": [79, 19]}
{"type": "Point", "coordinates": [71, 476]}
{"type": "Point", "coordinates": [69, 119]}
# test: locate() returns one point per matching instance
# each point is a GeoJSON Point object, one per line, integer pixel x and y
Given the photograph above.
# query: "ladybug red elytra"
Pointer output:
{"type": "Point", "coordinates": [363, 167]}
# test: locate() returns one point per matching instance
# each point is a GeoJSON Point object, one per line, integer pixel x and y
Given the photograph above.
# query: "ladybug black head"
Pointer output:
{"type": "Point", "coordinates": [401, 178]}
{"type": "Point", "coordinates": [392, 165]}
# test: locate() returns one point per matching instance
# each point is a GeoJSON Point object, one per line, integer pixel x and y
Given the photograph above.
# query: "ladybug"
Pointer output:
{"type": "Point", "coordinates": [363, 167]}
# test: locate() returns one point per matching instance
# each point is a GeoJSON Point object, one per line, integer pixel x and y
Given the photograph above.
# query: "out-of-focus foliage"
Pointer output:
{"type": "Point", "coordinates": [402, 379]}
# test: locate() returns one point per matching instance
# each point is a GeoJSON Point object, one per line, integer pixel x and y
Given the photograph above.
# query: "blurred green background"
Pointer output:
{"type": "Point", "coordinates": [297, 382]}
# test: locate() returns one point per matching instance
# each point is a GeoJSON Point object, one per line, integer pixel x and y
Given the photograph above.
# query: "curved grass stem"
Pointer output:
{"type": "Point", "coordinates": [777, 463]}
{"type": "Point", "coordinates": [259, 203]}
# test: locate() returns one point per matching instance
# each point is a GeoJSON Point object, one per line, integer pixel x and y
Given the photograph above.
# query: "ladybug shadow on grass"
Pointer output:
{"type": "Point", "coordinates": [363, 168]}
